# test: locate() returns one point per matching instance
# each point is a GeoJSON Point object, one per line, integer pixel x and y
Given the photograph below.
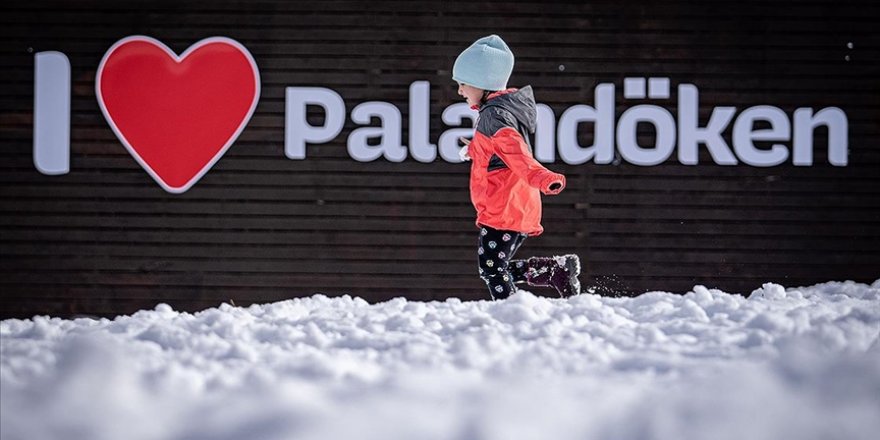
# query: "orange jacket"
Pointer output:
{"type": "Point", "coordinates": [506, 181]}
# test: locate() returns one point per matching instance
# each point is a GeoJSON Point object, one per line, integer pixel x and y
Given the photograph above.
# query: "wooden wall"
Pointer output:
{"type": "Point", "coordinates": [105, 239]}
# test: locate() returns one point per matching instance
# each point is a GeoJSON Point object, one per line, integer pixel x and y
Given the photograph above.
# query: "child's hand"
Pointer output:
{"type": "Point", "coordinates": [463, 153]}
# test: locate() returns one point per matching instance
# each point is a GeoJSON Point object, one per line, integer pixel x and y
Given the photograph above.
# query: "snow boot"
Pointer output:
{"type": "Point", "coordinates": [560, 273]}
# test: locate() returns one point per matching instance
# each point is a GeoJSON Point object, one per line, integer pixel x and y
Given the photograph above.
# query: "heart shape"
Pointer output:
{"type": "Point", "coordinates": [177, 115]}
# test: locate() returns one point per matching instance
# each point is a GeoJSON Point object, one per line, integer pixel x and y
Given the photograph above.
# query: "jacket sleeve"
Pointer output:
{"type": "Point", "coordinates": [511, 148]}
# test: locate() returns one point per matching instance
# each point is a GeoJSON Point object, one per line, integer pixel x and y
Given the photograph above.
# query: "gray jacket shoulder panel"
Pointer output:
{"type": "Point", "coordinates": [495, 118]}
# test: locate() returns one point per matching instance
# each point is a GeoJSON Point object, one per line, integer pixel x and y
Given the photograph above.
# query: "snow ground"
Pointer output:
{"type": "Point", "coordinates": [798, 363]}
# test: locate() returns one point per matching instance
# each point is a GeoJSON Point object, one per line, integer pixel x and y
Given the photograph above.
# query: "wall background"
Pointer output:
{"type": "Point", "coordinates": [105, 239]}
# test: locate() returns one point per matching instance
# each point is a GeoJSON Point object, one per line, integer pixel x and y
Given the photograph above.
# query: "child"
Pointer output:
{"type": "Point", "coordinates": [506, 181]}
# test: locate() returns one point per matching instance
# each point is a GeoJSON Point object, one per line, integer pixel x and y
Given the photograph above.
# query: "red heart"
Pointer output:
{"type": "Point", "coordinates": [177, 115]}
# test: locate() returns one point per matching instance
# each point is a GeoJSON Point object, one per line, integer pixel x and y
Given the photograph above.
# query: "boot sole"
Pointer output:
{"type": "Point", "coordinates": [573, 264]}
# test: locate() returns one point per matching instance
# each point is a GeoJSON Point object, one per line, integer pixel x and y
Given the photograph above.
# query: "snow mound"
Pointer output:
{"type": "Point", "coordinates": [783, 363]}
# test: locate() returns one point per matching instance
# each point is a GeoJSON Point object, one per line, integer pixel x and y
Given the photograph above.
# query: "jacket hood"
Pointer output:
{"type": "Point", "coordinates": [521, 104]}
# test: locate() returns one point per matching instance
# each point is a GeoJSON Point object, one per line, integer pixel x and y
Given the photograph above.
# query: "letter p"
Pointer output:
{"type": "Point", "coordinates": [297, 130]}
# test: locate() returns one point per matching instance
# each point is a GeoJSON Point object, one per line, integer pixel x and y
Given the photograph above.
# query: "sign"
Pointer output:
{"type": "Point", "coordinates": [178, 115]}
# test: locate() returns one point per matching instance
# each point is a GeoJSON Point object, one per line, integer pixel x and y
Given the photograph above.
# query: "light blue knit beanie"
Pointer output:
{"type": "Point", "coordinates": [486, 64]}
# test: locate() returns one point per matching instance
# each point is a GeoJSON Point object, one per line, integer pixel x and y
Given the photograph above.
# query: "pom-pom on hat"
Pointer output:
{"type": "Point", "coordinates": [486, 64]}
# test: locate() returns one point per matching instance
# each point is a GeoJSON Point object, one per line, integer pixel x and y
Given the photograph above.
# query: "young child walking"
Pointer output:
{"type": "Point", "coordinates": [506, 181]}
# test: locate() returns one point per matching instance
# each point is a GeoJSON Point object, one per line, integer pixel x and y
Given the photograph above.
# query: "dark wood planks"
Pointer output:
{"type": "Point", "coordinates": [105, 239]}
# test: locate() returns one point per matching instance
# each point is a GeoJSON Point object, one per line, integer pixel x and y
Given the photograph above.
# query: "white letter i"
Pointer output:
{"type": "Point", "coordinates": [52, 113]}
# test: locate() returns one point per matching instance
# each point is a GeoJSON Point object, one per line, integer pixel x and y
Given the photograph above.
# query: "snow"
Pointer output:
{"type": "Point", "coordinates": [779, 363]}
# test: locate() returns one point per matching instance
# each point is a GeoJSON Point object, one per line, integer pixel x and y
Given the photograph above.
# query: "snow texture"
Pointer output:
{"type": "Point", "coordinates": [781, 363]}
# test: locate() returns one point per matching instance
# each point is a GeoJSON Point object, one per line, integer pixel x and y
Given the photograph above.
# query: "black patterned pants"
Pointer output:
{"type": "Point", "coordinates": [494, 254]}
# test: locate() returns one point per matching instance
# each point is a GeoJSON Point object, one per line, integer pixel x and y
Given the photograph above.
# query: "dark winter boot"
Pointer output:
{"type": "Point", "coordinates": [560, 273]}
